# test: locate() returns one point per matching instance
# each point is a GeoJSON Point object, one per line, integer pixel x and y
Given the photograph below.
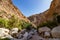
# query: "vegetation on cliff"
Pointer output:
{"type": "Point", "coordinates": [5, 39]}
{"type": "Point", "coordinates": [51, 24]}
{"type": "Point", "coordinates": [13, 22]}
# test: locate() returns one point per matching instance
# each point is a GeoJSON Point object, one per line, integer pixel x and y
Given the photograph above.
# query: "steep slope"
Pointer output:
{"type": "Point", "coordinates": [38, 18]}
{"type": "Point", "coordinates": [47, 15]}
{"type": "Point", "coordinates": [8, 9]}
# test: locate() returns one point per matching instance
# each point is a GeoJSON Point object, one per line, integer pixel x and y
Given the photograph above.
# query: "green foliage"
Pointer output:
{"type": "Point", "coordinates": [25, 24]}
{"type": "Point", "coordinates": [3, 22]}
{"type": "Point", "coordinates": [5, 39]}
{"type": "Point", "coordinates": [50, 24]}
{"type": "Point", "coordinates": [13, 22]}
{"type": "Point", "coordinates": [58, 19]}
{"type": "Point", "coordinates": [55, 16]}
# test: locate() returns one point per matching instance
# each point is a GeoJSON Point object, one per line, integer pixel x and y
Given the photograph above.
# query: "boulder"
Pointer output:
{"type": "Point", "coordinates": [4, 33]}
{"type": "Point", "coordinates": [44, 29]}
{"type": "Point", "coordinates": [21, 33]}
{"type": "Point", "coordinates": [33, 31]}
{"type": "Point", "coordinates": [14, 30]}
{"type": "Point", "coordinates": [56, 32]}
{"type": "Point", "coordinates": [19, 36]}
{"type": "Point", "coordinates": [47, 34]}
{"type": "Point", "coordinates": [25, 36]}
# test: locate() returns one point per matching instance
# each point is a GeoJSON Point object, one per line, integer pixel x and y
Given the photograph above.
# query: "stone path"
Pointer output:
{"type": "Point", "coordinates": [37, 37]}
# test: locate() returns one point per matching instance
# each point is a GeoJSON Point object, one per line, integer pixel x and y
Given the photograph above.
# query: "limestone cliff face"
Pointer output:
{"type": "Point", "coordinates": [54, 8]}
{"type": "Point", "coordinates": [48, 14]}
{"type": "Point", "coordinates": [38, 18]}
{"type": "Point", "coordinates": [7, 8]}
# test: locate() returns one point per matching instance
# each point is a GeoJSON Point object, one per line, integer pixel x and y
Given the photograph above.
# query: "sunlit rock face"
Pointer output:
{"type": "Point", "coordinates": [47, 15]}
{"type": "Point", "coordinates": [54, 7]}
{"type": "Point", "coordinates": [7, 8]}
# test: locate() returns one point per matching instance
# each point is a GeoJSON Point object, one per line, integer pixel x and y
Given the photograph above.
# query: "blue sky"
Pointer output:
{"type": "Point", "coordinates": [30, 7]}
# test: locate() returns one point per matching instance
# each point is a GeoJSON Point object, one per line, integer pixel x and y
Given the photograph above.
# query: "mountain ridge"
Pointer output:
{"type": "Point", "coordinates": [47, 15]}
{"type": "Point", "coordinates": [8, 7]}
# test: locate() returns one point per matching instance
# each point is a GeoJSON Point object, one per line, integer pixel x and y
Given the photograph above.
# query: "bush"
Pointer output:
{"type": "Point", "coordinates": [3, 22]}
{"type": "Point", "coordinates": [5, 39]}
{"type": "Point", "coordinates": [25, 24]}
{"type": "Point", "coordinates": [13, 22]}
{"type": "Point", "coordinates": [50, 24]}
{"type": "Point", "coordinates": [58, 19]}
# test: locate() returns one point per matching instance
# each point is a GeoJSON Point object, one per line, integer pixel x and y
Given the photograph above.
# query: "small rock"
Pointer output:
{"type": "Point", "coordinates": [44, 29]}
{"type": "Point", "coordinates": [14, 30]}
{"type": "Point", "coordinates": [46, 34]}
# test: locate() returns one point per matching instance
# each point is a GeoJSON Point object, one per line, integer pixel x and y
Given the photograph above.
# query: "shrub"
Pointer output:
{"type": "Point", "coordinates": [58, 19]}
{"type": "Point", "coordinates": [28, 26]}
{"type": "Point", "coordinates": [3, 22]}
{"type": "Point", "coordinates": [50, 24]}
{"type": "Point", "coordinates": [25, 24]}
{"type": "Point", "coordinates": [53, 23]}
{"type": "Point", "coordinates": [5, 39]}
{"type": "Point", "coordinates": [13, 22]}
